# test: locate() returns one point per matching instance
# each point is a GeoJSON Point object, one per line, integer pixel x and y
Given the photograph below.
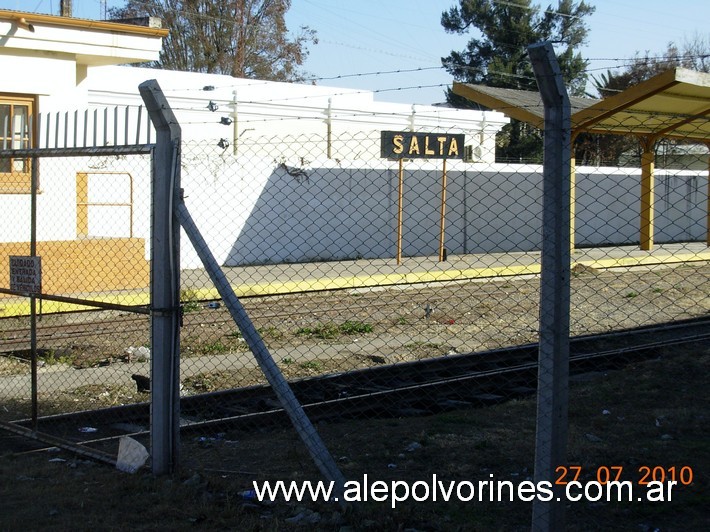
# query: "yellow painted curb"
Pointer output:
{"type": "Point", "coordinates": [16, 307]}
{"type": "Point", "coordinates": [376, 280]}
{"type": "Point", "coordinates": [22, 308]}
{"type": "Point", "coordinates": [626, 262]}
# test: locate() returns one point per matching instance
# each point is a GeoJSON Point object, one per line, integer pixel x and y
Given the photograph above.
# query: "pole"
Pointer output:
{"type": "Point", "coordinates": [443, 213]}
{"type": "Point", "coordinates": [33, 300]}
{"type": "Point", "coordinates": [65, 8]}
{"type": "Point", "coordinates": [646, 209]}
{"type": "Point", "coordinates": [310, 437]}
{"type": "Point", "coordinates": [329, 128]}
{"type": "Point", "coordinates": [553, 364]}
{"type": "Point", "coordinates": [164, 283]}
{"type": "Point", "coordinates": [707, 220]}
{"type": "Point", "coordinates": [400, 208]}
{"type": "Point", "coordinates": [235, 122]}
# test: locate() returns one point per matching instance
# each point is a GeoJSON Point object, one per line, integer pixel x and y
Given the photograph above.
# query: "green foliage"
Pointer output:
{"type": "Point", "coordinates": [189, 300]}
{"type": "Point", "coordinates": [497, 56]}
{"type": "Point", "coordinates": [631, 294]}
{"type": "Point", "coordinates": [330, 331]}
{"type": "Point", "coordinates": [608, 149]}
{"type": "Point", "coordinates": [214, 348]}
{"type": "Point", "coordinates": [314, 365]}
{"type": "Point", "coordinates": [270, 332]}
{"type": "Point", "coordinates": [693, 54]}
{"type": "Point", "coordinates": [242, 38]}
{"type": "Point", "coordinates": [51, 357]}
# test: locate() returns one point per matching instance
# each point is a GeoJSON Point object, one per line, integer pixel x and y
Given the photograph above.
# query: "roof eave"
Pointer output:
{"type": "Point", "coordinates": [518, 113]}
{"type": "Point", "coordinates": [79, 23]}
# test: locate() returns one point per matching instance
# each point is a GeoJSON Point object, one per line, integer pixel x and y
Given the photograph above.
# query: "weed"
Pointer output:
{"type": "Point", "coordinates": [270, 332]}
{"type": "Point", "coordinates": [189, 299]}
{"type": "Point", "coordinates": [214, 348]}
{"type": "Point", "coordinates": [51, 357]}
{"type": "Point", "coordinates": [315, 365]}
{"type": "Point", "coordinates": [355, 327]}
{"type": "Point", "coordinates": [632, 294]}
{"type": "Point", "coordinates": [287, 360]}
{"type": "Point", "coordinates": [330, 331]}
{"type": "Point", "coordinates": [325, 332]}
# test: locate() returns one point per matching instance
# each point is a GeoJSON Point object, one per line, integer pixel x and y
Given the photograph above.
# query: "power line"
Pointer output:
{"type": "Point", "coordinates": [650, 57]}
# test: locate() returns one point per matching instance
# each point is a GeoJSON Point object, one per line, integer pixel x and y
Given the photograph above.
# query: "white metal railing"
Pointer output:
{"type": "Point", "coordinates": [110, 126]}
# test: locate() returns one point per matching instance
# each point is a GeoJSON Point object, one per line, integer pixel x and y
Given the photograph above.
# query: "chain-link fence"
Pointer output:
{"type": "Point", "coordinates": [312, 250]}
{"type": "Point", "coordinates": [381, 288]}
{"type": "Point", "coordinates": [75, 329]}
{"type": "Point", "coordinates": [310, 243]}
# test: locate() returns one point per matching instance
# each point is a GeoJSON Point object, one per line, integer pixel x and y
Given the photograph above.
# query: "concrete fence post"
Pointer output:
{"type": "Point", "coordinates": [164, 283]}
{"type": "Point", "coordinates": [553, 364]}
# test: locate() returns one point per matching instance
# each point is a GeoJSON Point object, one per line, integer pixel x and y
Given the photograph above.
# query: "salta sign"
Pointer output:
{"type": "Point", "coordinates": [410, 145]}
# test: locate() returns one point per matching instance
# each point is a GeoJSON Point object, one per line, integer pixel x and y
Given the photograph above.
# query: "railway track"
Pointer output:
{"type": "Point", "coordinates": [415, 388]}
{"type": "Point", "coordinates": [261, 308]}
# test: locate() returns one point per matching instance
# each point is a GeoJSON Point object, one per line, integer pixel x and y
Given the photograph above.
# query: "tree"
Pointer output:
{"type": "Point", "coordinates": [694, 54]}
{"type": "Point", "coordinates": [242, 38]}
{"type": "Point", "coordinates": [597, 149]}
{"type": "Point", "coordinates": [498, 56]}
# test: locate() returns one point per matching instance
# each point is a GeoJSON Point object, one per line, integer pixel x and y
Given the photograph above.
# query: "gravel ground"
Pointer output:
{"type": "Point", "coordinates": [86, 355]}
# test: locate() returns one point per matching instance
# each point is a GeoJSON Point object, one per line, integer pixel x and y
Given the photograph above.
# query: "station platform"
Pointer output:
{"type": "Point", "coordinates": [282, 279]}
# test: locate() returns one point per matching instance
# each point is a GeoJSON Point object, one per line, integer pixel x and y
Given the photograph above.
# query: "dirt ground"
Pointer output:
{"type": "Point", "coordinates": [87, 359]}
{"type": "Point", "coordinates": [651, 414]}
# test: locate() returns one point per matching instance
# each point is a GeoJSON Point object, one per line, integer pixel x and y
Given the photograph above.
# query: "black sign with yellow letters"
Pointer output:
{"type": "Point", "coordinates": [409, 145]}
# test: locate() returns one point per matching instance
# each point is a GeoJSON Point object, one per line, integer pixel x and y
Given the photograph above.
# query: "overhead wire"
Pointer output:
{"type": "Point", "coordinates": [621, 62]}
{"type": "Point", "coordinates": [350, 92]}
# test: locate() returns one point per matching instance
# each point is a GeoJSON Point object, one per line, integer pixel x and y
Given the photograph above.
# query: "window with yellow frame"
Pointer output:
{"type": "Point", "coordinates": [16, 132]}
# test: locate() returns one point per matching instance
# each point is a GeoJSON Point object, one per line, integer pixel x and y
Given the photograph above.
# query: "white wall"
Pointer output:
{"type": "Point", "coordinates": [43, 75]}
{"type": "Point", "coordinates": [261, 109]}
{"type": "Point", "coordinates": [344, 207]}
{"type": "Point", "coordinates": [253, 211]}
{"type": "Point", "coordinates": [56, 200]}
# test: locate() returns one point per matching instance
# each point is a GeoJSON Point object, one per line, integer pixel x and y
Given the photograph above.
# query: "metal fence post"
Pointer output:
{"type": "Point", "coordinates": [553, 365]}
{"type": "Point", "coordinates": [34, 185]}
{"type": "Point", "coordinates": [305, 429]}
{"type": "Point", "coordinates": [164, 282]}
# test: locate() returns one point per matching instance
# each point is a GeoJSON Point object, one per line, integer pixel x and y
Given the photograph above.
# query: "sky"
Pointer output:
{"type": "Point", "coordinates": [395, 48]}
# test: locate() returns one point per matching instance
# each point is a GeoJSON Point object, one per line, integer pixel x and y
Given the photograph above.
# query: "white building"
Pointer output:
{"type": "Point", "coordinates": [272, 171]}
{"type": "Point", "coordinates": [73, 93]}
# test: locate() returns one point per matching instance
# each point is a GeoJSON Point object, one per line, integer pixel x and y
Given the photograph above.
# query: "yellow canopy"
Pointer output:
{"type": "Point", "coordinates": [674, 104]}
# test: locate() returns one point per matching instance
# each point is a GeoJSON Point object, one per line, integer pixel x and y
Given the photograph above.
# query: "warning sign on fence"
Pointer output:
{"type": "Point", "coordinates": [26, 274]}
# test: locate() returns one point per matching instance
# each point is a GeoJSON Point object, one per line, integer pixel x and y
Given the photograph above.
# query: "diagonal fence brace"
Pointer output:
{"type": "Point", "coordinates": [317, 449]}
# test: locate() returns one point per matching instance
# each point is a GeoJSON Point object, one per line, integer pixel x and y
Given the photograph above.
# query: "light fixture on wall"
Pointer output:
{"type": "Point", "coordinates": [22, 23]}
